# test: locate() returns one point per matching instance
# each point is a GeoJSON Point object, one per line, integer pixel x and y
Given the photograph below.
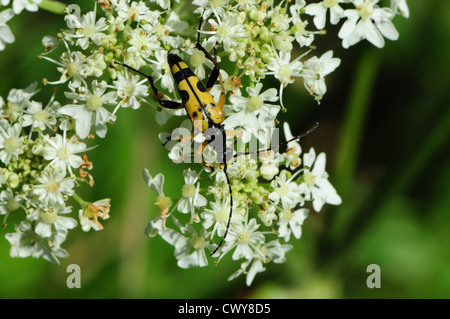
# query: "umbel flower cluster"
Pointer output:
{"type": "Point", "coordinates": [43, 146]}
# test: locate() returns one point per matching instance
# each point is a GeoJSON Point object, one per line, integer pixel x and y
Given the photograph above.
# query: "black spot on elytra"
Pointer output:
{"type": "Point", "coordinates": [184, 96]}
{"type": "Point", "coordinates": [201, 87]}
{"type": "Point", "coordinates": [194, 115]}
{"type": "Point", "coordinates": [183, 74]}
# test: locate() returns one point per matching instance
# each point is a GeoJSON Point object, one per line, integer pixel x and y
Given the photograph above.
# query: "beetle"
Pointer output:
{"type": "Point", "coordinates": [203, 111]}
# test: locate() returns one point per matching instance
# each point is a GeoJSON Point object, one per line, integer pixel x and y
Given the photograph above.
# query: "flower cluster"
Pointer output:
{"type": "Point", "coordinates": [41, 166]}
{"type": "Point", "coordinates": [41, 147]}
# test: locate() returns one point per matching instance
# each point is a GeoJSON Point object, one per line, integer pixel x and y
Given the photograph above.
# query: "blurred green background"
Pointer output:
{"type": "Point", "coordinates": [384, 124]}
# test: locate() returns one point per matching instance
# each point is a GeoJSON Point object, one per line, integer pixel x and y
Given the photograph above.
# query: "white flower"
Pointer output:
{"type": "Point", "coordinates": [11, 141]}
{"type": "Point", "coordinates": [92, 212]}
{"type": "Point", "coordinates": [87, 29]}
{"type": "Point", "coordinates": [61, 152]}
{"type": "Point", "coordinates": [291, 222]}
{"type": "Point", "coordinates": [292, 154]}
{"type": "Point", "coordinates": [286, 191]}
{"type": "Point", "coordinates": [319, 11]}
{"type": "Point", "coordinates": [48, 218]}
{"type": "Point", "coordinates": [256, 267]}
{"type": "Point", "coordinates": [162, 202]}
{"type": "Point", "coordinates": [252, 113]}
{"type": "Point", "coordinates": [193, 253]}
{"type": "Point", "coordinates": [52, 187]}
{"type": "Point", "coordinates": [198, 60]}
{"type": "Point", "coordinates": [50, 43]}
{"type": "Point", "coordinates": [25, 243]}
{"type": "Point", "coordinates": [207, 7]}
{"type": "Point", "coordinates": [270, 163]}
{"type": "Point", "coordinates": [271, 251]}
{"type": "Point", "coordinates": [71, 67]}
{"type": "Point", "coordinates": [302, 36]}
{"type": "Point", "coordinates": [367, 21]}
{"type": "Point", "coordinates": [134, 11]}
{"type": "Point", "coordinates": [6, 36]}
{"type": "Point", "coordinates": [94, 65]}
{"type": "Point", "coordinates": [400, 6]}
{"type": "Point", "coordinates": [244, 237]}
{"type": "Point", "coordinates": [142, 43]}
{"type": "Point", "coordinates": [161, 70]}
{"type": "Point", "coordinates": [190, 249]}
{"type": "Point", "coordinates": [40, 118]}
{"type": "Point", "coordinates": [316, 186]}
{"type": "Point", "coordinates": [165, 4]}
{"type": "Point", "coordinates": [29, 5]}
{"type": "Point", "coordinates": [217, 217]}
{"type": "Point", "coordinates": [315, 71]}
{"type": "Point", "coordinates": [191, 196]}
{"type": "Point", "coordinates": [227, 31]}
{"type": "Point", "coordinates": [9, 201]}
{"type": "Point", "coordinates": [131, 90]}
{"type": "Point", "coordinates": [171, 24]}
{"type": "Point", "coordinates": [284, 69]}
{"type": "Point", "coordinates": [92, 112]}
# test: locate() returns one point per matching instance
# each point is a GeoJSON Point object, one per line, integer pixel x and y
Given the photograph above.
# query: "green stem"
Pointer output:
{"type": "Point", "coordinates": [80, 201]}
{"type": "Point", "coordinates": [352, 130]}
{"type": "Point", "coordinates": [53, 6]}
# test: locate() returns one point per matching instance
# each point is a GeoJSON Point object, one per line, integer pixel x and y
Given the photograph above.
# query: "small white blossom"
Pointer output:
{"type": "Point", "coordinates": [52, 187]}
{"type": "Point", "coordinates": [40, 118]}
{"type": "Point", "coordinates": [315, 71]}
{"type": "Point", "coordinates": [226, 32]}
{"type": "Point", "coordinates": [243, 237]}
{"type": "Point", "coordinates": [11, 141]}
{"type": "Point", "coordinates": [286, 191]}
{"type": "Point", "coordinates": [9, 201]}
{"type": "Point", "coordinates": [252, 112]}
{"type": "Point", "coordinates": [93, 111]}
{"type": "Point", "coordinates": [29, 5]}
{"type": "Point", "coordinates": [271, 251]}
{"type": "Point", "coordinates": [284, 69]}
{"type": "Point", "coordinates": [193, 253]}
{"type": "Point", "coordinates": [6, 36]}
{"type": "Point", "coordinates": [87, 28]}
{"type": "Point", "coordinates": [92, 212]}
{"type": "Point", "coordinates": [316, 186]}
{"type": "Point", "coordinates": [319, 11]}
{"type": "Point", "coordinates": [291, 222]}
{"type": "Point", "coordinates": [51, 217]}
{"type": "Point", "coordinates": [217, 217]}
{"type": "Point", "coordinates": [161, 70]}
{"type": "Point", "coordinates": [26, 243]}
{"type": "Point", "coordinates": [292, 154]}
{"type": "Point", "coordinates": [131, 90]}
{"type": "Point", "coordinates": [191, 198]}
{"type": "Point", "coordinates": [71, 67]}
{"type": "Point", "coordinates": [367, 21]}
{"type": "Point", "coordinates": [400, 6]}
{"type": "Point", "coordinates": [61, 152]}
{"type": "Point", "coordinates": [302, 36]}
{"type": "Point", "coordinates": [162, 202]}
